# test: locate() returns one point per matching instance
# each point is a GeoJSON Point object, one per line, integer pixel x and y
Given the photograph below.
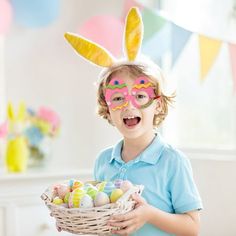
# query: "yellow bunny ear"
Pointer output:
{"type": "Point", "coordinates": [21, 112]}
{"type": "Point", "coordinates": [133, 33]}
{"type": "Point", "coordinates": [89, 50]}
{"type": "Point", "coordinates": [10, 112]}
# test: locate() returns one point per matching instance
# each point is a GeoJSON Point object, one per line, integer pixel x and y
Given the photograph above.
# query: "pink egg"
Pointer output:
{"type": "Point", "coordinates": [62, 190]}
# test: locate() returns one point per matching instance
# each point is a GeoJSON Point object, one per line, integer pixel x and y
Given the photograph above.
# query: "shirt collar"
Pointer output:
{"type": "Point", "coordinates": [150, 155]}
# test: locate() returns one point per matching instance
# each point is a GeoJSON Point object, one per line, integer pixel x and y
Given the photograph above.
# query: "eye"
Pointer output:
{"type": "Point", "coordinates": [141, 96]}
{"type": "Point", "coordinates": [117, 99]}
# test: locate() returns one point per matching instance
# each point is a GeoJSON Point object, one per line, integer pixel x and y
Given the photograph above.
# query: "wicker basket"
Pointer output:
{"type": "Point", "coordinates": [89, 220]}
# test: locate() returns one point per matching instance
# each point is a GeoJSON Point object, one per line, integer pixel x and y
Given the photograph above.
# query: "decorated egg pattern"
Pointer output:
{"type": "Point", "coordinates": [86, 201]}
{"type": "Point", "coordinates": [76, 194]}
{"type": "Point", "coordinates": [101, 199]}
{"type": "Point", "coordinates": [108, 188]}
{"type": "Point", "coordinates": [75, 197]}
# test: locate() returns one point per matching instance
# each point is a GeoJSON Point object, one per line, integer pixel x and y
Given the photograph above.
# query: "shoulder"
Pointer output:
{"type": "Point", "coordinates": [105, 154]}
{"type": "Point", "coordinates": [174, 157]}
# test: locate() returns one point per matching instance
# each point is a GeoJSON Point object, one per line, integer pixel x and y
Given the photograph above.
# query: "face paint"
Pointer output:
{"type": "Point", "coordinates": [117, 95]}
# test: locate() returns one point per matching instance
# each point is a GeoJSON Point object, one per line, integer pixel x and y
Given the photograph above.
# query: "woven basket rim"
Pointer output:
{"type": "Point", "coordinates": [91, 220]}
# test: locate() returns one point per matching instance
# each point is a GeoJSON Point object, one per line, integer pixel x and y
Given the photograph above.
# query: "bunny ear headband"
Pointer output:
{"type": "Point", "coordinates": [116, 94]}
{"type": "Point", "coordinates": [99, 55]}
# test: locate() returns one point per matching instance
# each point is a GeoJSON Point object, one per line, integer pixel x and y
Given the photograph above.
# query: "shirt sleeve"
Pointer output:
{"type": "Point", "coordinates": [184, 193]}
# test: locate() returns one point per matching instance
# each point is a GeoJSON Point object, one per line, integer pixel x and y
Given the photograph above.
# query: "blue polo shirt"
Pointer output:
{"type": "Point", "coordinates": [164, 171]}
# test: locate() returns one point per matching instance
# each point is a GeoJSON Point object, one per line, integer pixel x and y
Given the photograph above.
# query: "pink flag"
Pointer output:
{"type": "Point", "coordinates": [232, 52]}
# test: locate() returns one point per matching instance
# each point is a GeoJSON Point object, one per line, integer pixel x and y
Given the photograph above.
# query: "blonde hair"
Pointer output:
{"type": "Point", "coordinates": [152, 71]}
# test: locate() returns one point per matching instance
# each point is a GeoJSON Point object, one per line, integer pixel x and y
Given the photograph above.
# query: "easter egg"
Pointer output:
{"type": "Point", "coordinates": [64, 205]}
{"type": "Point", "coordinates": [77, 184]}
{"type": "Point", "coordinates": [86, 186]}
{"type": "Point", "coordinates": [71, 182]}
{"type": "Point", "coordinates": [101, 186]}
{"type": "Point", "coordinates": [126, 185]}
{"type": "Point", "coordinates": [86, 201]}
{"type": "Point", "coordinates": [109, 187]}
{"type": "Point", "coordinates": [66, 198]}
{"type": "Point", "coordinates": [116, 194]}
{"type": "Point", "coordinates": [101, 199]}
{"type": "Point", "coordinates": [57, 201]}
{"type": "Point", "coordinates": [62, 190]}
{"type": "Point", "coordinates": [118, 182]}
{"type": "Point", "coordinates": [92, 191]}
{"type": "Point", "coordinates": [75, 197]}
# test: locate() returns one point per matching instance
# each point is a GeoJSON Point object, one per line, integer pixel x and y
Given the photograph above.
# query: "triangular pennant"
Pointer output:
{"type": "Point", "coordinates": [179, 38]}
{"type": "Point", "coordinates": [156, 46]}
{"type": "Point", "coordinates": [209, 49]}
{"type": "Point", "coordinates": [153, 23]}
{"type": "Point", "coordinates": [232, 52]}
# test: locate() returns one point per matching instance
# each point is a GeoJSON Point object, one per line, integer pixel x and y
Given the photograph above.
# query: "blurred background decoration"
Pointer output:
{"type": "Point", "coordinates": [29, 134]}
{"type": "Point", "coordinates": [43, 126]}
{"type": "Point", "coordinates": [106, 30]}
{"type": "Point", "coordinates": [36, 13]}
{"type": "Point", "coordinates": [5, 16]}
{"type": "Point", "coordinates": [27, 13]}
{"type": "Point", "coordinates": [3, 130]}
{"type": "Point", "coordinates": [17, 150]}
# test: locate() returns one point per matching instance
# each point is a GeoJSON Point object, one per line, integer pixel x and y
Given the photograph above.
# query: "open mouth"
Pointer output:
{"type": "Point", "coordinates": [131, 121]}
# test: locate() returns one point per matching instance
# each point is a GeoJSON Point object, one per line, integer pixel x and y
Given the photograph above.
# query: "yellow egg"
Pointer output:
{"type": "Point", "coordinates": [75, 197]}
{"type": "Point", "coordinates": [116, 194]}
{"type": "Point", "coordinates": [66, 198]}
{"type": "Point", "coordinates": [57, 201]}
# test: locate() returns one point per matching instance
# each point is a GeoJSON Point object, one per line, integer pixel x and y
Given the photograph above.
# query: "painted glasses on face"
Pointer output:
{"type": "Point", "coordinates": [117, 95]}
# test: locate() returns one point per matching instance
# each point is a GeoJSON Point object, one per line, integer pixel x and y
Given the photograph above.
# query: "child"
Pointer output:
{"type": "Point", "coordinates": [130, 97]}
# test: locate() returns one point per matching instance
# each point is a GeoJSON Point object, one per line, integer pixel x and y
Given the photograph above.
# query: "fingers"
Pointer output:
{"type": "Point", "coordinates": [120, 224]}
{"type": "Point", "coordinates": [136, 197]}
{"type": "Point", "coordinates": [123, 217]}
{"type": "Point", "coordinates": [126, 231]}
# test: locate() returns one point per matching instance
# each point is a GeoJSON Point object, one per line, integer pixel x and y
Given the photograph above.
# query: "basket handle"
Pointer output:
{"type": "Point", "coordinates": [46, 196]}
{"type": "Point", "coordinates": [135, 189]}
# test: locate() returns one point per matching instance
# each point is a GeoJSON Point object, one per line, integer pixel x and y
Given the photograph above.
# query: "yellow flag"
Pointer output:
{"type": "Point", "coordinates": [209, 49]}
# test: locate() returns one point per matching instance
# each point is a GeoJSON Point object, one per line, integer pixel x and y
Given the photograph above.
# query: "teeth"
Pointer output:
{"type": "Point", "coordinates": [129, 117]}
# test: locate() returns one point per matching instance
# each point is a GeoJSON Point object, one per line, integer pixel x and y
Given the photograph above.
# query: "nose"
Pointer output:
{"type": "Point", "coordinates": [130, 102]}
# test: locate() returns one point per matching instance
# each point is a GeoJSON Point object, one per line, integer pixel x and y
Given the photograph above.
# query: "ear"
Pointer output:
{"type": "Point", "coordinates": [10, 112]}
{"type": "Point", "coordinates": [21, 112]}
{"type": "Point", "coordinates": [133, 33]}
{"type": "Point", "coordinates": [90, 50]}
{"type": "Point", "coordinates": [158, 106]}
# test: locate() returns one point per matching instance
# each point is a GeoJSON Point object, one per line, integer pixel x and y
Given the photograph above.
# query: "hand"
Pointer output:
{"type": "Point", "coordinates": [133, 220]}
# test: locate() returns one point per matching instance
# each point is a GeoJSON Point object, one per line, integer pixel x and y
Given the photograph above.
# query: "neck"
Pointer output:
{"type": "Point", "coordinates": [133, 147]}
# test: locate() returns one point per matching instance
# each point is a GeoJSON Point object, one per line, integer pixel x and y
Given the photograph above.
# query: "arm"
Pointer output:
{"type": "Point", "coordinates": [186, 224]}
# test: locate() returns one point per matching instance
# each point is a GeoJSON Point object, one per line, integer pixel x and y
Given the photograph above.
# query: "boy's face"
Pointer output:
{"type": "Point", "coordinates": [132, 107]}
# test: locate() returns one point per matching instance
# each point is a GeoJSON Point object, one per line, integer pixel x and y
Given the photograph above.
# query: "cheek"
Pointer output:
{"type": "Point", "coordinates": [115, 117]}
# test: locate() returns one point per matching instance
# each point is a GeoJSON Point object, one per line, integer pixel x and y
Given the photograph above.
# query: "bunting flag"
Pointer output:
{"type": "Point", "coordinates": [179, 38]}
{"type": "Point", "coordinates": [232, 52]}
{"type": "Point", "coordinates": [209, 49]}
{"type": "Point", "coordinates": [157, 45]}
{"type": "Point", "coordinates": [162, 35]}
{"type": "Point", "coordinates": [153, 23]}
